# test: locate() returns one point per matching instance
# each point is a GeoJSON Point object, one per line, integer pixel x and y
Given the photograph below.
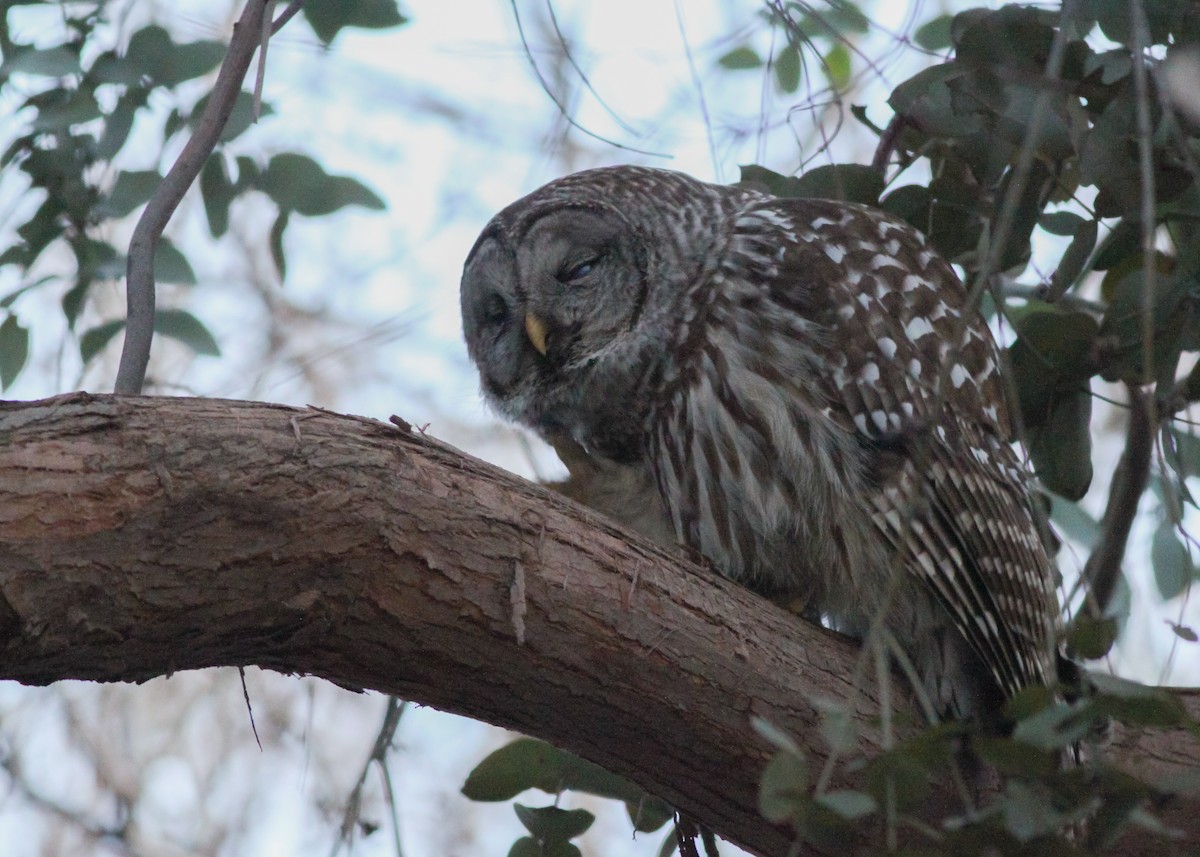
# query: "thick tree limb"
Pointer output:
{"type": "Point", "coordinates": [143, 536]}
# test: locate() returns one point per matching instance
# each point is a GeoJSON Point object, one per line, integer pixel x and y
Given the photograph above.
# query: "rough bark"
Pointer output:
{"type": "Point", "coordinates": [141, 536]}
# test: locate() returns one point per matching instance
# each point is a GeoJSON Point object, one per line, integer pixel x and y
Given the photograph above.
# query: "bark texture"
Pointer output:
{"type": "Point", "coordinates": [140, 536]}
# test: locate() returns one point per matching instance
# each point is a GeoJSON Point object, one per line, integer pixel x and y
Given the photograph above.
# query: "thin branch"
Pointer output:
{"type": "Point", "coordinates": [383, 743]}
{"type": "Point", "coordinates": [263, 43]}
{"type": "Point", "coordinates": [139, 329]}
{"type": "Point", "coordinates": [562, 108]}
{"type": "Point", "coordinates": [1141, 86]}
{"type": "Point", "coordinates": [1103, 567]}
{"type": "Point", "coordinates": [286, 15]}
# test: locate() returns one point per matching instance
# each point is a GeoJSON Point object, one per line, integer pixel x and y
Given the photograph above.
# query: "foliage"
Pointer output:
{"type": "Point", "coordinates": [1016, 155]}
{"type": "Point", "coordinates": [79, 98]}
{"type": "Point", "coordinates": [528, 764]}
{"type": "Point", "coordinates": [1041, 796]}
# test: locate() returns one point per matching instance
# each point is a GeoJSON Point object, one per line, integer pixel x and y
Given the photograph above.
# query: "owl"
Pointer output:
{"type": "Point", "coordinates": [787, 387]}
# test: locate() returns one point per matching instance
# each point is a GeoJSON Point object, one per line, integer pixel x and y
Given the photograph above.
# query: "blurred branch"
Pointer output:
{"type": "Point", "coordinates": [1039, 293]}
{"type": "Point", "coordinates": [379, 750]}
{"type": "Point", "coordinates": [1103, 568]}
{"type": "Point", "coordinates": [140, 298]}
{"type": "Point", "coordinates": [196, 532]}
{"type": "Point", "coordinates": [286, 15]}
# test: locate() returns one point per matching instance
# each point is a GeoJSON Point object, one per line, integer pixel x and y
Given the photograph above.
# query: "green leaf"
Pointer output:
{"type": "Point", "coordinates": [217, 192]}
{"type": "Point", "coordinates": [1051, 357]}
{"type": "Point", "coordinates": [153, 53]}
{"type": "Point", "coordinates": [783, 791]}
{"type": "Point", "coordinates": [849, 182]}
{"type": "Point", "coordinates": [182, 325]}
{"type": "Point", "coordinates": [910, 203]}
{"type": "Point", "coordinates": [133, 189]}
{"type": "Point", "coordinates": [934, 35]}
{"type": "Point", "coordinates": [926, 100]}
{"type": "Point", "coordinates": [62, 109]}
{"type": "Point", "coordinates": [527, 764]}
{"type": "Point", "coordinates": [276, 242]}
{"type": "Point", "coordinates": [1054, 727]}
{"type": "Point", "coordinates": [117, 125]}
{"type": "Point", "coordinates": [507, 772]}
{"type": "Point", "coordinates": [328, 17]}
{"type": "Point", "coordinates": [94, 340]}
{"type": "Point", "coordinates": [1078, 252]}
{"type": "Point", "coordinates": [72, 301]}
{"type": "Point", "coordinates": [1061, 222]}
{"type": "Point", "coordinates": [1136, 704]}
{"type": "Point", "coordinates": [526, 846]}
{"type": "Point", "coordinates": [1014, 758]}
{"type": "Point", "coordinates": [14, 350]}
{"type": "Point", "coordinates": [850, 805]}
{"type": "Point", "coordinates": [837, 66]}
{"type": "Point", "coordinates": [1028, 701]}
{"type": "Point", "coordinates": [240, 118]}
{"type": "Point", "coordinates": [552, 824]}
{"type": "Point", "coordinates": [787, 69]}
{"type": "Point", "coordinates": [649, 813]}
{"type": "Point", "coordinates": [298, 183]}
{"type": "Point", "coordinates": [776, 736]}
{"type": "Point", "coordinates": [1173, 568]}
{"type": "Point", "coordinates": [58, 61]}
{"type": "Point", "coordinates": [1061, 448]}
{"type": "Point", "coordinates": [1091, 638]}
{"type": "Point", "coordinates": [1074, 521]}
{"type": "Point", "coordinates": [740, 58]}
{"type": "Point", "coordinates": [171, 266]}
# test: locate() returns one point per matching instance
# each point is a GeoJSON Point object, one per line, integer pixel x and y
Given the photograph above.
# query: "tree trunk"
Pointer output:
{"type": "Point", "coordinates": [140, 536]}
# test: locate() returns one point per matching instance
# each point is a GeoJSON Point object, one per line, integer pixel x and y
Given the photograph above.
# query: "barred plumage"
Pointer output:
{"type": "Point", "coordinates": [757, 379]}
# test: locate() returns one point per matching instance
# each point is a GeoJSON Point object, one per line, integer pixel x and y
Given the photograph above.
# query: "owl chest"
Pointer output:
{"type": "Point", "coordinates": [756, 478]}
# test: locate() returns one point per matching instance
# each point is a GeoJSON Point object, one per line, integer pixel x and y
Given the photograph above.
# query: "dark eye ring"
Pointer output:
{"type": "Point", "coordinates": [580, 271]}
{"type": "Point", "coordinates": [495, 310]}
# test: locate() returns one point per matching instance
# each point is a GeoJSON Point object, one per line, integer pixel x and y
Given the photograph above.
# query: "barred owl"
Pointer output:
{"type": "Point", "coordinates": [757, 379]}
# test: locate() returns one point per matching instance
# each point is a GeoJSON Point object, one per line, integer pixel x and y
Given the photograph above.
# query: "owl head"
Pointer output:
{"type": "Point", "coordinates": [570, 300]}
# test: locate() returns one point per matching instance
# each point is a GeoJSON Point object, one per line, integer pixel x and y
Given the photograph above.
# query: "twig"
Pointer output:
{"type": "Point", "coordinates": [383, 742]}
{"type": "Point", "coordinates": [887, 142]}
{"type": "Point", "coordinates": [1141, 87]}
{"type": "Point", "coordinates": [286, 15]}
{"type": "Point", "coordinates": [263, 42]}
{"type": "Point", "coordinates": [1040, 292]}
{"type": "Point", "coordinates": [1103, 567]}
{"type": "Point", "coordinates": [562, 108]}
{"type": "Point", "coordinates": [139, 329]}
{"type": "Point", "coordinates": [249, 709]}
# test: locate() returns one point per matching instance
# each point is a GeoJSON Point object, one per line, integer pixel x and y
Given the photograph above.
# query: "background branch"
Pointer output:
{"type": "Point", "coordinates": [1103, 567]}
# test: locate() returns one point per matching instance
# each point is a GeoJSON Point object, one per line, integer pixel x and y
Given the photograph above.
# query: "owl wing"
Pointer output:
{"type": "Point", "coordinates": [951, 494]}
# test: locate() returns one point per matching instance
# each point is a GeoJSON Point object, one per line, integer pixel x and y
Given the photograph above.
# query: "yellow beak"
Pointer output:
{"type": "Point", "coordinates": [536, 328]}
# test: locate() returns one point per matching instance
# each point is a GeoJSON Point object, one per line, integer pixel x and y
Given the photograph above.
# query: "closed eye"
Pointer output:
{"type": "Point", "coordinates": [578, 272]}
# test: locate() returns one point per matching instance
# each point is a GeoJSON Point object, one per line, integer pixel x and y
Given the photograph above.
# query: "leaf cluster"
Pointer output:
{"type": "Point", "coordinates": [1094, 171]}
{"type": "Point", "coordinates": [530, 764]}
{"type": "Point", "coordinates": [79, 100]}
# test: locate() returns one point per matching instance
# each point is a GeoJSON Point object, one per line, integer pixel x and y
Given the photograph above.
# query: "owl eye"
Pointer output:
{"type": "Point", "coordinates": [495, 310]}
{"type": "Point", "coordinates": [577, 273]}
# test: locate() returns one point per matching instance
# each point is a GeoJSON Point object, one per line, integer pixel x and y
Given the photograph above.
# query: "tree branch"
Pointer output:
{"type": "Point", "coordinates": [139, 274]}
{"type": "Point", "coordinates": [1103, 567]}
{"type": "Point", "coordinates": [143, 536]}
